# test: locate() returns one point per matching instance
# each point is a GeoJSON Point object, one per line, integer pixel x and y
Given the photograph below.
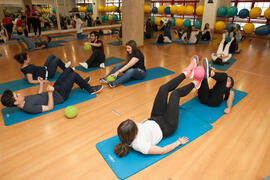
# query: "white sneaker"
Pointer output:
{"type": "Point", "coordinates": [84, 65]}
{"type": "Point", "coordinates": [102, 65]}
{"type": "Point", "coordinates": [68, 64]}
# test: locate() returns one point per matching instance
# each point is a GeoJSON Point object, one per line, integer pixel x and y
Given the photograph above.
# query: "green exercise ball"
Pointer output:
{"type": "Point", "coordinates": [110, 78]}
{"type": "Point", "coordinates": [71, 112]}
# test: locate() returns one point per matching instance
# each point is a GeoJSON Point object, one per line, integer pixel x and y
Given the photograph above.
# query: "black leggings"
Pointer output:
{"type": "Point", "coordinates": [167, 114]}
{"type": "Point", "coordinates": [36, 26]}
{"type": "Point", "coordinates": [64, 83]}
{"type": "Point", "coordinates": [52, 63]}
{"type": "Point", "coordinates": [96, 59]}
{"type": "Point", "coordinates": [208, 96]}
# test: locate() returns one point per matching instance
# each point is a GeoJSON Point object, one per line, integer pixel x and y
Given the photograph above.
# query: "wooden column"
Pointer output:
{"type": "Point", "coordinates": [133, 21]}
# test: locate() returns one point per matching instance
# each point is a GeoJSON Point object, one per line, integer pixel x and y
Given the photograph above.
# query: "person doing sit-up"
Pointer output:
{"type": "Point", "coordinates": [145, 136]}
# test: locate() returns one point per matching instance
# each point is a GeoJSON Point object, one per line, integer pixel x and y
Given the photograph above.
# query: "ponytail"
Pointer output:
{"type": "Point", "coordinates": [121, 149]}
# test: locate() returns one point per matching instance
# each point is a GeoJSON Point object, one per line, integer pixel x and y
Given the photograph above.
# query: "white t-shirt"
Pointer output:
{"type": "Point", "coordinates": [79, 22]}
{"type": "Point", "coordinates": [149, 133]}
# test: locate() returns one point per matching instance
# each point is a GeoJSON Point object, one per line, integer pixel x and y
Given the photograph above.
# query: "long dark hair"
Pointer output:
{"type": "Point", "coordinates": [27, 7]}
{"type": "Point", "coordinates": [205, 26]}
{"type": "Point", "coordinates": [134, 48]}
{"type": "Point", "coordinates": [189, 31]}
{"type": "Point", "coordinates": [21, 57]}
{"type": "Point", "coordinates": [127, 132]}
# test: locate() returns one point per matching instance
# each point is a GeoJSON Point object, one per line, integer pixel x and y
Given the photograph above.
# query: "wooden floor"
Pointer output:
{"type": "Point", "coordinates": [53, 147]}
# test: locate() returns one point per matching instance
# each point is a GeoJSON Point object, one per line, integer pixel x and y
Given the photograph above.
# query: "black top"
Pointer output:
{"type": "Point", "coordinates": [33, 103]}
{"type": "Point", "coordinates": [36, 71]}
{"type": "Point", "coordinates": [38, 44]}
{"type": "Point", "coordinates": [219, 92]}
{"type": "Point", "coordinates": [140, 64]}
{"type": "Point", "coordinates": [101, 48]}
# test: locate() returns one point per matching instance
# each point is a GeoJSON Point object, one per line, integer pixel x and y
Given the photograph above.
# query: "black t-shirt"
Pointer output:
{"type": "Point", "coordinates": [218, 93]}
{"type": "Point", "coordinates": [101, 48]}
{"type": "Point", "coordinates": [34, 70]}
{"type": "Point", "coordinates": [39, 44]}
{"type": "Point", "coordinates": [33, 103]}
{"type": "Point", "coordinates": [140, 64]}
{"type": "Point", "coordinates": [160, 39]}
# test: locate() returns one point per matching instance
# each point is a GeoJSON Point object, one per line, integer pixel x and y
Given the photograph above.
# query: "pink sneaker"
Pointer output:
{"type": "Point", "coordinates": [192, 65]}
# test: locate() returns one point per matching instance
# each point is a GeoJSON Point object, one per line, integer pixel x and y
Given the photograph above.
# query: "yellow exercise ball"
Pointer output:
{"type": "Point", "coordinates": [157, 20]}
{"type": "Point", "coordinates": [114, 8]}
{"type": "Point", "coordinates": [84, 9]}
{"type": "Point", "coordinates": [147, 8]}
{"type": "Point", "coordinates": [121, 8]}
{"type": "Point", "coordinates": [100, 8]}
{"type": "Point", "coordinates": [266, 13]}
{"type": "Point", "coordinates": [20, 29]}
{"type": "Point", "coordinates": [181, 10]}
{"type": "Point", "coordinates": [110, 17]}
{"type": "Point", "coordinates": [189, 10]}
{"type": "Point", "coordinates": [255, 12]}
{"type": "Point", "coordinates": [161, 9]}
{"type": "Point", "coordinates": [39, 10]}
{"type": "Point", "coordinates": [249, 28]}
{"type": "Point", "coordinates": [219, 26]}
{"type": "Point", "coordinates": [199, 10]}
{"type": "Point", "coordinates": [173, 9]}
{"type": "Point", "coordinates": [106, 9]}
{"type": "Point", "coordinates": [179, 22]}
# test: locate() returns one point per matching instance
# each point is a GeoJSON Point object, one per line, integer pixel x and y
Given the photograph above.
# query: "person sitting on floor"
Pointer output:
{"type": "Point", "coordinates": [56, 94]}
{"type": "Point", "coordinates": [97, 58]}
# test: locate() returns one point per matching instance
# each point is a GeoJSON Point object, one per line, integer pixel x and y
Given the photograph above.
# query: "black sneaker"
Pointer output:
{"type": "Point", "coordinates": [87, 80]}
{"type": "Point", "coordinates": [96, 89]}
{"type": "Point", "coordinates": [206, 68]}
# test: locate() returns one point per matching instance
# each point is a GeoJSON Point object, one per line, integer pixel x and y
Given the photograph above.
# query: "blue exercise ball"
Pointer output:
{"type": "Point", "coordinates": [198, 24]}
{"type": "Point", "coordinates": [154, 10]}
{"type": "Point", "coordinates": [263, 30]}
{"type": "Point", "coordinates": [153, 20]}
{"type": "Point", "coordinates": [243, 13]}
{"type": "Point", "coordinates": [222, 11]}
{"type": "Point", "coordinates": [232, 11]}
{"type": "Point", "coordinates": [230, 27]}
{"type": "Point", "coordinates": [118, 9]}
{"type": "Point", "coordinates": [167, 10]}
{"type": "Point", "coordinates": [187, 23]}
{"type": "Point", "coordinates": [90, 9]}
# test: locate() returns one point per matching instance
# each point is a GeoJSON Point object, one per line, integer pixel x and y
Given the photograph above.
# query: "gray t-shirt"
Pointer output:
{"type": "Point", "coordinates": [33, 103]}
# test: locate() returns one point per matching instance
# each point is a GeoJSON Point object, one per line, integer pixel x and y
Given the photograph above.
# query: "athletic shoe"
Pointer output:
{"type": "Point", "coordinates": [67, 64]}
{"type": "Point", "coordinates": [190, 69]}
{"type": "Point", "coordinates": [96, 89]}
{"type": "Point", "coordinates": [103, 81]}
{"type": "Point", "coordinates": [88, 79]}
{"type": "Point", "coordinates": [102, 65]}
{"type": "Point", "coordinates": [206, 68]}
{"type": "Point", "coordinates": [112, 84]}
{"type": "Point", "coordinates": [84, 65]}
{"type": "Point", "coordinates": [198, 83]}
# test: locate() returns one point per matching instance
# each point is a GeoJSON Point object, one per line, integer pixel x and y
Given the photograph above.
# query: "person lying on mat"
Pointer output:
{"type": "Point", "coordinates": [34, 73]}
{"type": "Point", "coordinates": [56, 94]}
{"type": "Point", "coordinates": [222, 90]}
{"type": "Point", "coordinates": [145, 136]}
{"type": "Point", "coordinates": [206, 33]}
{"type": "Point", "coordinates": [163, 39]}
{"type": "Point", "coordinates": [234, 48]}
{"type": "Point", "coordinates": [191, 36]}
{"type": "Point", "coordinates": [133, 68]}
{"type": "Point", "coordinates": [97, 58]}
{"type": "Point", "coordinates": [222, 55]}
{"type": "Point", "coordinates": [42, 44]}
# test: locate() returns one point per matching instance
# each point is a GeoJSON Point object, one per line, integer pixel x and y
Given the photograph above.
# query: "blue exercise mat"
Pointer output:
{"type": "Point", "coordinates": [14, 115]}
{"type": "Point", "coordinates": [0, 54]}
{"type": "Point", "coordinates": [189, 126]}
{"type": "Point", "coordinates": [56, 36]}
{"type": "Point", "coordinates": [115, 43]}
{"type": "Point", "coordinates": [210, 114]}
{"type": "Point", "coordinates": [108, 62]}
{"type": "Point", "coordinates": [21, 84]}
{"type": "Point", "coordinates": [223, 67]}
{"type": "Point", "coordinates": [161, 44]}
{"type": "Point", "coordinates": [151, 74]}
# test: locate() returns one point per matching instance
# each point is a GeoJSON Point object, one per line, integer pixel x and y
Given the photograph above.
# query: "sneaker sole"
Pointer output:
{"type": "Point", "coordinates": [97, 90]}
{"type": "Point", "coordinates": [196, 64]}
{"type": "Point", "coordinates": [206, 67]}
